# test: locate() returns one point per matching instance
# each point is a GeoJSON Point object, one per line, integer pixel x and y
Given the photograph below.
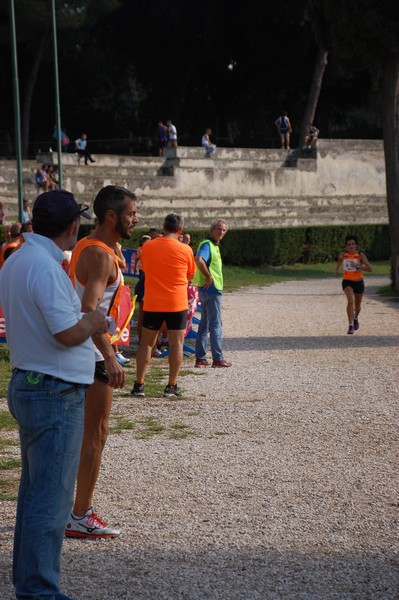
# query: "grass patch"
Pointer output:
{"type": "Point", "coordinates": [181, 431]}
{"type": "Point", "coordinates": [6, 492]}
{"type": "Point", "coordinates": [5, 370]}
{"type": "Point", "coordinates": [5, 443]}
{"type": "Point", "coordinates": [11, 465]}
{"type": "Point", "coordinates": [238, 277]}
{"type": "Point", "coordinates": [180, 435]}
{"type": "Point", "coordinates": [7, 421]}
{"type": "Point", "coordinates": [388, 292]}
{"type": "Point", "coordinates": [6, 464]}
{"type": "Point", "coordinates": [150, 427]}
{"type": "Point", "coordinates": [120, 424]}
{"type": "Point", "coordinates": [179, 426]}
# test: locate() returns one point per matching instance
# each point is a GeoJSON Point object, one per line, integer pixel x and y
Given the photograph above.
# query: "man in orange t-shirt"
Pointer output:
{"type": "Point", "coordinates": [168, 266]}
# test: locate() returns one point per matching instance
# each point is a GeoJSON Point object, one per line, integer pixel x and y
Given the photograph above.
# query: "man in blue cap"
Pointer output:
{"type": "Point", "coordinates": [52, 356]}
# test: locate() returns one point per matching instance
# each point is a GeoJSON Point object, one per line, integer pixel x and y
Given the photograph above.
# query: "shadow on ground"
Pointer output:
{"type": "Point", "coordinates": [243, 574]}
{"type": "Point", "coordinates": [222, 574]}
{"type": "Point", "coordinates": [252, 344]}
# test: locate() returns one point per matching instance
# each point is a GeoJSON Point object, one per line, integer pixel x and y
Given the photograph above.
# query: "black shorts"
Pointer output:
{"type": "Point", "coordinates": [100, 373]}
{"type": "Point", "coordinates": [173, 320]}
{"type": "Point", "coordinates": [357, 286]}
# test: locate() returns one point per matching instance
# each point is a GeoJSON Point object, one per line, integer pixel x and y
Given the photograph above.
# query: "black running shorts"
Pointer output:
{"type": "Point", "coordinates": [100, 372]}
{"type": "Point", "coordinates": [357, 286]}
{"type": "Point", "coordinates": [173, 320]}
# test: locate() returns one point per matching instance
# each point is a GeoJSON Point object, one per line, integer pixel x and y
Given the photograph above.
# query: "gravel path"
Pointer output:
{"type": "Point", "coordinates": [275, 479]}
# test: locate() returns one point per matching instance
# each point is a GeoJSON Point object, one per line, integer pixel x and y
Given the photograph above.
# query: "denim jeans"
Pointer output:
{"type": "Point", "coordinates": [209, 148]}
{"type": "Point", "coordinates": [211, 321]}
{"type": "Point", "coordinates": [50, 415]}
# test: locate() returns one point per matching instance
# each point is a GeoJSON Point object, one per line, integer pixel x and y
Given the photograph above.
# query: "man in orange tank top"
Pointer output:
{"type": "Point", "coordinates": [353, 262]}
{"type": "Point", "coordinates": [96, 276]}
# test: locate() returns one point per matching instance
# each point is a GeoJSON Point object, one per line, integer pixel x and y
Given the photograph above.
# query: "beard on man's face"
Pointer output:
{"type": "Point", "coordinates": [123, 230]}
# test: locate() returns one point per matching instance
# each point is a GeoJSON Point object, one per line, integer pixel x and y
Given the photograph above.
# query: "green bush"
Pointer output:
{"type": "Point", "coordinates": [255, 247]}
{"type": "Point", "coordinates": [323, 244]}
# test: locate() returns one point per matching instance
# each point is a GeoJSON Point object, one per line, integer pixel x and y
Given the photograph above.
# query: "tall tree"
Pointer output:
{"type": "Point", "coordinates": [314, 93]}
{"type": "Point", "coordinates": [364, 34]}
{"type": "Point", "coordinates": [33, 25]}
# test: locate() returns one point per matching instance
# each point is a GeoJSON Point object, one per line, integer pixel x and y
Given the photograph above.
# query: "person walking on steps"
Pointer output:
{"type": "Point", "coordinates": [283, 125]}
{"type": "Point", "coordinates": [209, 279]}
{"type": "Point", "coordinates": [353, 262]}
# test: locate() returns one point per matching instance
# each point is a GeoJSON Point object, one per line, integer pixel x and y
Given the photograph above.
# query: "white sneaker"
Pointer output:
{"type": "Point", "coordinates": [90, 526]}
{"type": "Point", "coordinates": [122, 360]}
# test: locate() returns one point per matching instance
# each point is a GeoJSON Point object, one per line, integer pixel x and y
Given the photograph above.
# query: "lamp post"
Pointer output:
{"type": "Point", "coordinates": [57, 94]}
{"type": "Point", "coordinates": [17, 113]}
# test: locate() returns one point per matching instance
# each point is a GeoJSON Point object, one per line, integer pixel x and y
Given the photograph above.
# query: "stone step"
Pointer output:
{"type": "Point", "coordinates": [344, 181]}
{"type": "Point", "coordinates": [91, 185]}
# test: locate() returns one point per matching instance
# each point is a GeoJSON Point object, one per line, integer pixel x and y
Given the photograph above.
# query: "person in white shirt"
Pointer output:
{"type": "Point", "coordinates": [52, 356]}
{"type": "Point", "coordinates": [172, 143]}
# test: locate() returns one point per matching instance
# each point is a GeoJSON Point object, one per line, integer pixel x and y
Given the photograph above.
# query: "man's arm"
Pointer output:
{"type": "Point", "coordinates": [92, 323]}
{"type": "Point", "coordinates": [202, 266]}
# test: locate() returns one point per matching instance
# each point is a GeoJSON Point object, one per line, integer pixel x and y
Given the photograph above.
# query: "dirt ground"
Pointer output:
{"type": "Point", "coordinates": [274, 479]}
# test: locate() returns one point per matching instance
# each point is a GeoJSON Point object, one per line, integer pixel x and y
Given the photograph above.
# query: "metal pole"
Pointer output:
{"type": "Point", "coordinates": [17, 114]}
{"type": "Point", "coordinates": [57, 94]}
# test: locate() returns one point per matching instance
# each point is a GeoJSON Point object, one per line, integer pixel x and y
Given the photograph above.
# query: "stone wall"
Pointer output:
{"type": "Point", "coordinates": [344, 182]}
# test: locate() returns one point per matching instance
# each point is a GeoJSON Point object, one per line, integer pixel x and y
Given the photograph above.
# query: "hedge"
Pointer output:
{"type": "Point", "coordinates": [255, 247]}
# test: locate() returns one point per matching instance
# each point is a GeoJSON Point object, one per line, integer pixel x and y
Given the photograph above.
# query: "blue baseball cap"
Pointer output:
{"type": "Point", "coordinates": [58, 207]}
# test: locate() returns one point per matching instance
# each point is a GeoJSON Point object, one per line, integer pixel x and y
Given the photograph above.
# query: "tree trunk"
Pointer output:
{"type": "Point", "coordinates": [314, 93]}
{"type": "Point", "coordinates": [29, 88]}
{"type": "Point", "coordinates": [390, 122]}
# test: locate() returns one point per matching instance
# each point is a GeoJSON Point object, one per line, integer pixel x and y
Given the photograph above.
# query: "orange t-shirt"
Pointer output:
{"type": "Point", "coordinates": [168, 266]}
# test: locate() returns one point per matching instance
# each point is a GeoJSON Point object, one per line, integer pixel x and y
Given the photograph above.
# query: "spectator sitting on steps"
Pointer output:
{"type": "Point", "coordinates": [207, 144]}
{"type": "Point", "coordinates": [81, 148]}
{"type": "Point", "coordinates": [43, 179]}
{"type": "Point", "coordinates": [312, 135]}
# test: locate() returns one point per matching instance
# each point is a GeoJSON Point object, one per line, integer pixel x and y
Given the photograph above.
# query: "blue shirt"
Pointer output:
{"type": "Point", "coordinates": [81, 144]}
{"type": "Point", "coordinates": [39, 301]}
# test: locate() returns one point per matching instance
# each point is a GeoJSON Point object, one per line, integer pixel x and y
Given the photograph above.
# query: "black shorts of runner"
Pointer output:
{"type": "Point", "coordinates": [100, 373]}
{"type": "Point", "coordinates": [357, 286]}
{"type": "Point", "coordinates": [173, 320]}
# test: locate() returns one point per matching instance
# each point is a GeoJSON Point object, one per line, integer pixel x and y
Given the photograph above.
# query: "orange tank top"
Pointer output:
{"type": "Point", "coordinates": [351, 264]}
{"type": "Point", "coordinates": [110, 301]}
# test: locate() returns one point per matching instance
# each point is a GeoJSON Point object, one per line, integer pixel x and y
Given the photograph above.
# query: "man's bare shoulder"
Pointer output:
{"type": "Point", "coordinates": [95, 259]}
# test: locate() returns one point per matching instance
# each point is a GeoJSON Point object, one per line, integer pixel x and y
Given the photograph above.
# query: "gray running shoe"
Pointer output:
{"type": "Point", "coordinates": [138, 389]}
{"type": "Point", "coordinates": [171, 390]}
